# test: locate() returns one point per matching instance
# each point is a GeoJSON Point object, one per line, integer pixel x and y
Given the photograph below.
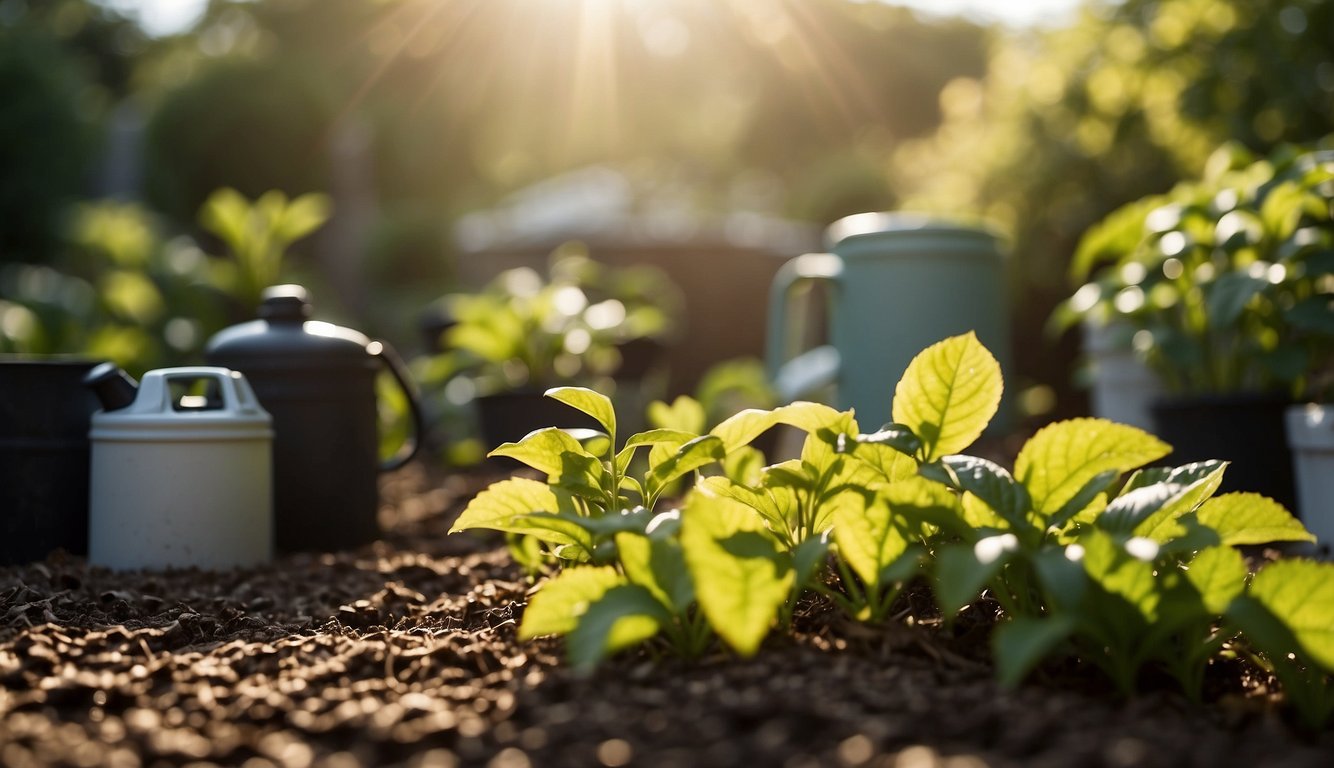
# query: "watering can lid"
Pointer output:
{"type": "Point", "coordinates": [859, 224]}
{"type": "Point", "coordinates": [284, 337]}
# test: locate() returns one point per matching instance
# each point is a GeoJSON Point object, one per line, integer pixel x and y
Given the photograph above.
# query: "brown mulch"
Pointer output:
{"type": "Point", "coordinates": [404, 653]}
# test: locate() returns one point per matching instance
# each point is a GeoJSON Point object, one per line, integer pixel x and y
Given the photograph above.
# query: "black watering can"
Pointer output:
{"type": "Point", "coordinates": [317, 380]}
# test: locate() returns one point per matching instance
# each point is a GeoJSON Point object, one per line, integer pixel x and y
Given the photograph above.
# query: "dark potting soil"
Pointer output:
{"type": "Point", "coordinates": [404, 653]}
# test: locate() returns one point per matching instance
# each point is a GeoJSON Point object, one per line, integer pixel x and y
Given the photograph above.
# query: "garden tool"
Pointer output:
{"type": "Point", "coordinates": [181, 471]}
{"type": "Point", "coordinates": [898, 283]}
{"type": "Point", "coordinates": [318, 380]}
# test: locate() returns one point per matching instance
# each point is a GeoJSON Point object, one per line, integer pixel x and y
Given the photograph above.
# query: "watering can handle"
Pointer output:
{"type": "Point", "coordinates": [807, 267]}
{"type": "Point", "coordinates": [391, 361]}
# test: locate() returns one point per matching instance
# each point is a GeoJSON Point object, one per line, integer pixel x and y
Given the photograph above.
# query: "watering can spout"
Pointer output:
{"type": "Point", "coordinates": [115, 388]}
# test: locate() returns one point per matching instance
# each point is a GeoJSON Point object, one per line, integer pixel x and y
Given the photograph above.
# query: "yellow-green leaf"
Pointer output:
{"type": "Point", "coordinates": [558, 604]}
{"type": "Point", "coordinates": [1249, 518]}
{"type": "Point", "coordinates": [544, 450]}
{"type": "Point", "coordinates": [749, 424]}
{"type": "Point", "coordinates": [1300, 593]}
{"type": "Point", "coordinates": [594, 404]}
{"type": "Point", "coordinates": [866, 532]}
{"type": "Point", "coordinates": [741, 579]}
{"type": "Point", "coordinates": [625, 616]}
{"type": "Point", "coordinates": [948, 394]}
{"type": "Point", "coordinates": [1062, 457]}
{"type": "Point", "coordinates": [496, 506]}
{"type": "Point", "coordinates": [684, 414]}
{"type": "Point", "coordinates": [1218, 574]}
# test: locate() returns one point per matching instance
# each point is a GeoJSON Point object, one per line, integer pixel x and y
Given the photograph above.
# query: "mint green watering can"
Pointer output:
{"type": "Point", "coordinates": [897, 284]}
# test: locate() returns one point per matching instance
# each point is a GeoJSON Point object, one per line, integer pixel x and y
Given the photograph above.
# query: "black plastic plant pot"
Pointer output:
{"type": "Point", "coordinates": [1244, 429]}
{"type": "Point", "coordinates": [638, 357]}
{"type": "Point", "coordinates": [508, 416]}
{"type": "Point", "coordinates": [45, 413]}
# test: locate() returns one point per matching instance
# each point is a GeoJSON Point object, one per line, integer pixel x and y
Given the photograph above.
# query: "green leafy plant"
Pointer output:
{"type": "Point", "coordinates": [1225, 284]}
{"type": "Point", "coordinates": [124, 291]}
{"type": "Point", "coordinates": [1083, 549]}
{"type": "Point", "coordinates": [526, 331]}
{"type": "Point", "coordinates": [257, 235]}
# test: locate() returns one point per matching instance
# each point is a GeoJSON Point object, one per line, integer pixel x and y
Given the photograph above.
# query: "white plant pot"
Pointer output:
{"type": "Point", "coordinates": [1311, 437]}
{"type": "Point", "coordinates": [1122, 386]}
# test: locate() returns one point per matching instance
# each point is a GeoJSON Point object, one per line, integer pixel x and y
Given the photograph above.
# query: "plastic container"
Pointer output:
{"type": "Point", "coordinates": [900, 283]}
{"type": "Point", "coordinates": [44, 417]}
{"type": "Point", "coordinates": [318, 382]}
{"type": "Point", "coordinates": [182, 477]}
{"type": "Point", "coordinates": [1310, 431]}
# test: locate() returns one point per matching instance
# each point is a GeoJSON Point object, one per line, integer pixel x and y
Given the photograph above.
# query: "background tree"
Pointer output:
{"type": "Point", "coordinates": [1072, 123]}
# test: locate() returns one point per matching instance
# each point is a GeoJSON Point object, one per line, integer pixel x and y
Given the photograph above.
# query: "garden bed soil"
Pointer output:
{"type": "Point", "coordinates": [405, 653]}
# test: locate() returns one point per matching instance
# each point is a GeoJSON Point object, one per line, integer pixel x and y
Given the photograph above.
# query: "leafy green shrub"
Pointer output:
{"type": "Point", "coordinates": [1227, 283]}
{"type": "Point", "coordinates": [1126, 573]}
{"type": "Point", "coordinates": [125, 293]}
{"type": "Point", "coordinates": [246, 124]}
{"type": "Point", "coordinates": [47, 140]}
{"type": "Point", "coordinates": [527, 331]}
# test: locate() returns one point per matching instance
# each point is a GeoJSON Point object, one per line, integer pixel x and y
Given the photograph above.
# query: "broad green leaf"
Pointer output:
{"type": "Point", "coordinates": [1120, 573]}
{"type": "Point", "coordinates": [1218, 574]}
{"type": "Point", "coordinates": [132, 295]}
{"type": "Point", "coordinates": [507, 499]}
{"type": "Point", "coordinates": [762, 501]}
{"type": "Point", "coordinates": [1249, 518]}
{"type": "Point", "coordinates": [689, 457]}
{"type": "Point", "coordinates": [558, 604]}
{"type": "Point", "coordinates": [948, 395]}
{"type": "Point", "coordinates": [962, 570]}
{"type": "Point", "coordinates": [1186, 474]}
{"type": "Point", "coordinates": [745, 465]}
{"type": "Point", "coordinates": [989, 482]}
{"type": "Point", "coordinates": [685, 414]}
{"type": "Point", "coordinates": [749, 424]}
{"type": "Point", "coordinates": [303, 215]}
{"type": "Point", "coordinates": [980, 516]}
{"type": "Point", "coordinates": [1300, 593]}
{"type": "Point", "coordinates": [842, 475]}
{"type": "Point", "coordinates": [594, 404]}
{"type": "Point", "coordinates": [1087, 503]}
{"type": "Point", "coordinates": [866, 533]}
{"type": "Point", "coordinates": [565, 531]}
{"type": "Point", "coordinates": [1228, 296]}
{"type": "Point", "coordinates": [895, 436]}
{"type": "Point", "coordinates": [484, 341]}
{"type": "Point", "coordinates": [544, 450]}
{"type": "Point", "coordinates": [671, 439]}
{"type": "Point", "coordinates": [659, 566]}
{"type": "Point", "coordinates": [224, 214]}
{"type": "Point", "coordinates": [888, 462]}
{"type": "Point", "coordinates": [1062, 578]}
{"type": "Point", "coordinates": [1167, 524]}
{"type": "Point", "coordinates": [1063, 457]}
{"type": "Point", "coordinates": [919, 502]}
{"type": "Point", "coordinates": [822, 447]}
{"type": "Point", "coordinates": [741, 579]}
{"type": "Point", "coordinates": [1282, 209]}
{"type": "Point", "coordinates": [635, 520]}
{"type": "Point", "coordinates": [1022, 642]}
{"type": "Point", "coordinates": [625, 616]}
{"type": "Point", "coordinates": [1128, 510]}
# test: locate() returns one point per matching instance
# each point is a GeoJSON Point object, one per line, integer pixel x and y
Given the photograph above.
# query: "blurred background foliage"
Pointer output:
{"type": "Point", "coordinates": [410, 113]}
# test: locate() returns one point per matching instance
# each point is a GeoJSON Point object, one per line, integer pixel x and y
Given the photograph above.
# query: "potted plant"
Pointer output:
{"type": "Point", "coordinates": [1223, 289]}
{"type": "Point", "coordinates": [580, 324]}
